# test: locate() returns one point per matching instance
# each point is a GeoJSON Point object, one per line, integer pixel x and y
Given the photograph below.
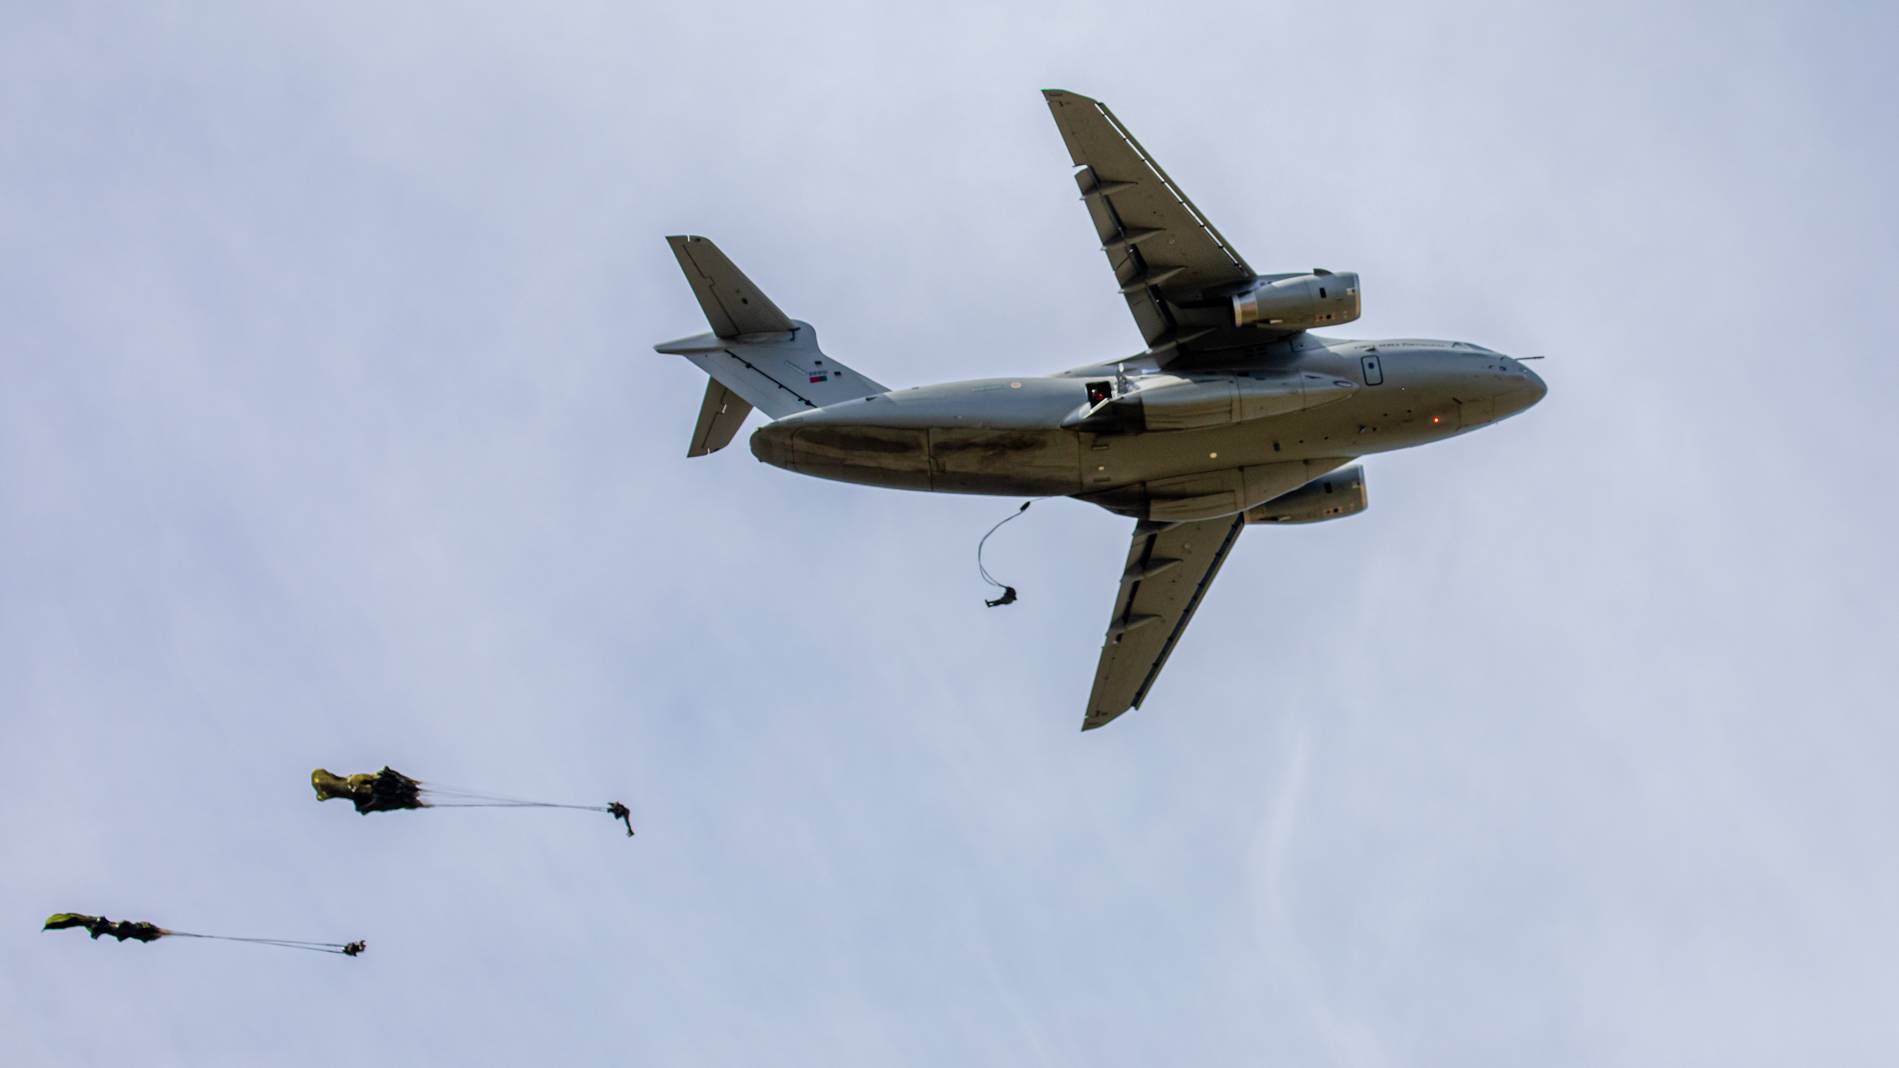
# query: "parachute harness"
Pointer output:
{"type": "Point", "coordinates": [1008, 592]}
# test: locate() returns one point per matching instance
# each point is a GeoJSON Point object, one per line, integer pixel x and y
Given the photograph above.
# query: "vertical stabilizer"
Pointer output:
{"type": "Point", "coordinates": [757, 356]}
{"type": "Point", "coordinates": [733, 305]}
{"type": "Point", "coordinates": [720, 416]}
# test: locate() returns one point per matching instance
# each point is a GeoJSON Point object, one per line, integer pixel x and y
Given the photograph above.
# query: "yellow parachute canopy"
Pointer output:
{"type": "Point", "coordinates": [383, 791]}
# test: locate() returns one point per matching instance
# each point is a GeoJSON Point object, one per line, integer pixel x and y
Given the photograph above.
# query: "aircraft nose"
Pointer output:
{"type": "Point", "coordinates": [1535, 389]}
{"type": "Point", "coordinates": [1523, 394]}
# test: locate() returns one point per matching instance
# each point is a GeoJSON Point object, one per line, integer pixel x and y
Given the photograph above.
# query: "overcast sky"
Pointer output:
{"type": "Point", "coordinates": [330, 434]}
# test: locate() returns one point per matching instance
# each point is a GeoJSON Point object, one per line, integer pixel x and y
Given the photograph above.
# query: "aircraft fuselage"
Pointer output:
{"type": "Point", "coordinates": [1328, 399]}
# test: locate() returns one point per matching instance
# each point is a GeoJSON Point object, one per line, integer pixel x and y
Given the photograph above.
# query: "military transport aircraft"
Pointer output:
{"type": "Point", "coordinates": [1232, 414]}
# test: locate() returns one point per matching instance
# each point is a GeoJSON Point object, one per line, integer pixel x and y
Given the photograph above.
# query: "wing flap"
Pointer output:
{"type": "Point", "coordinates": [1169, 569]}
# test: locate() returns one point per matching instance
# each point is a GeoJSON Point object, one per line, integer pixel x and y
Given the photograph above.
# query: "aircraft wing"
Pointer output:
{"type": "Point", "coordinates": [1175, 269]}
{"type": "Point", "coordinates": [1168, 571]}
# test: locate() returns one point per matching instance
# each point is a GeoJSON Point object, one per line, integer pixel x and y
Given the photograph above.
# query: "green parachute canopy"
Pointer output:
{"type": "Point", "coordinates": [99, 925]}
{"type": "Point", "coordinates": [139, 931]}
{"type": "Point", "coordinates": [389, 790]}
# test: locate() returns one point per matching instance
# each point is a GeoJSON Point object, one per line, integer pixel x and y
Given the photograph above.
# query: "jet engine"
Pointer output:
{"type": "Point", "coordinates": [1299, 301]}
{"type": "Point", "coordinates": [1330, 496]}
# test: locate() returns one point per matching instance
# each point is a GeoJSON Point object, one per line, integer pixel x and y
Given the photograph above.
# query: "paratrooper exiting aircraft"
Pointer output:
{"type": "Point", "coordinates": [1233, 413]}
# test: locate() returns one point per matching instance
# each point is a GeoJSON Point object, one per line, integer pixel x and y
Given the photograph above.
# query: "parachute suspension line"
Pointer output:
{"type": "Point", "coordinates": [1008, 592]}
{"type": "Point", "coordinates": [346, 949]}
{"type": "Point", "coordinates": [459, 797]}
{"type": "Point", "coordinates": [450, 794]}
{"type": "Point", "coordinates": [514, 804]}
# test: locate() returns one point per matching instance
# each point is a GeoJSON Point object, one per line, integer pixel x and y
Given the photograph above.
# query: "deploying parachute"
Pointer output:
{"type": "Point", "coordinates": [1008, 592]}
{"type": "Point", "coordinates": [139, 931]}
{"type": "Point", "coordinates": [99, 925]}
{"type": "Point", "coordinates": [389, 790]}
{"type": "Point", "coordinates": [383, 791]}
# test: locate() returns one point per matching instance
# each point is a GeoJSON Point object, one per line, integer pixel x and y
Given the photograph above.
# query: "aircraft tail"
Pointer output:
{"type": "Point", "coordinates": [756, 356]}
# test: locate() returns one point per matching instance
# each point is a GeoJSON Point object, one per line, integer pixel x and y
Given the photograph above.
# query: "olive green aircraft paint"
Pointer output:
{"type": "Point", "coordinates": [1232, 414]}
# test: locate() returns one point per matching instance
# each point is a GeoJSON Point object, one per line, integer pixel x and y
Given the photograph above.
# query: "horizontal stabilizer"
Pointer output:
{"type": "Point", "coordinates": [777, 375]}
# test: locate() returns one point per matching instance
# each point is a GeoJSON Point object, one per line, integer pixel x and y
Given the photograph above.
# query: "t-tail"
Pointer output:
{"type": "Point", "coordinates": [757, 356]}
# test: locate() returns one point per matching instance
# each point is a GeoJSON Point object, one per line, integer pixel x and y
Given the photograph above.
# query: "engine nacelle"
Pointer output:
{"type": "Point", "coordinates": [1299, 301]}
{"type": "Point", "coordinates": [1330, 496]}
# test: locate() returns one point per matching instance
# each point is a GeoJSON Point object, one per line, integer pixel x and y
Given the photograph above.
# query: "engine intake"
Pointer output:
{"type": "Point", "coordinates": [1333, 495]}
{"type": "Point", "coordinates": [1299, 301]}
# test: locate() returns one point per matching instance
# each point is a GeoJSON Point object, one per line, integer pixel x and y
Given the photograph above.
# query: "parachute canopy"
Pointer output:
{"type": "Point", "coordinates": [383, 791]}
{"type": "Point", "coordinates": [139, 931]}
{"type": "Point", "coordinates": [99, 925]}
{"type": "Point", "coordinates": [389, 790]}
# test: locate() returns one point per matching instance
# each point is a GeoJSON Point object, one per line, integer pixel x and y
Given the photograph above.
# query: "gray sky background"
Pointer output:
{"type": "Point", "coordinates": [330, 435]}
